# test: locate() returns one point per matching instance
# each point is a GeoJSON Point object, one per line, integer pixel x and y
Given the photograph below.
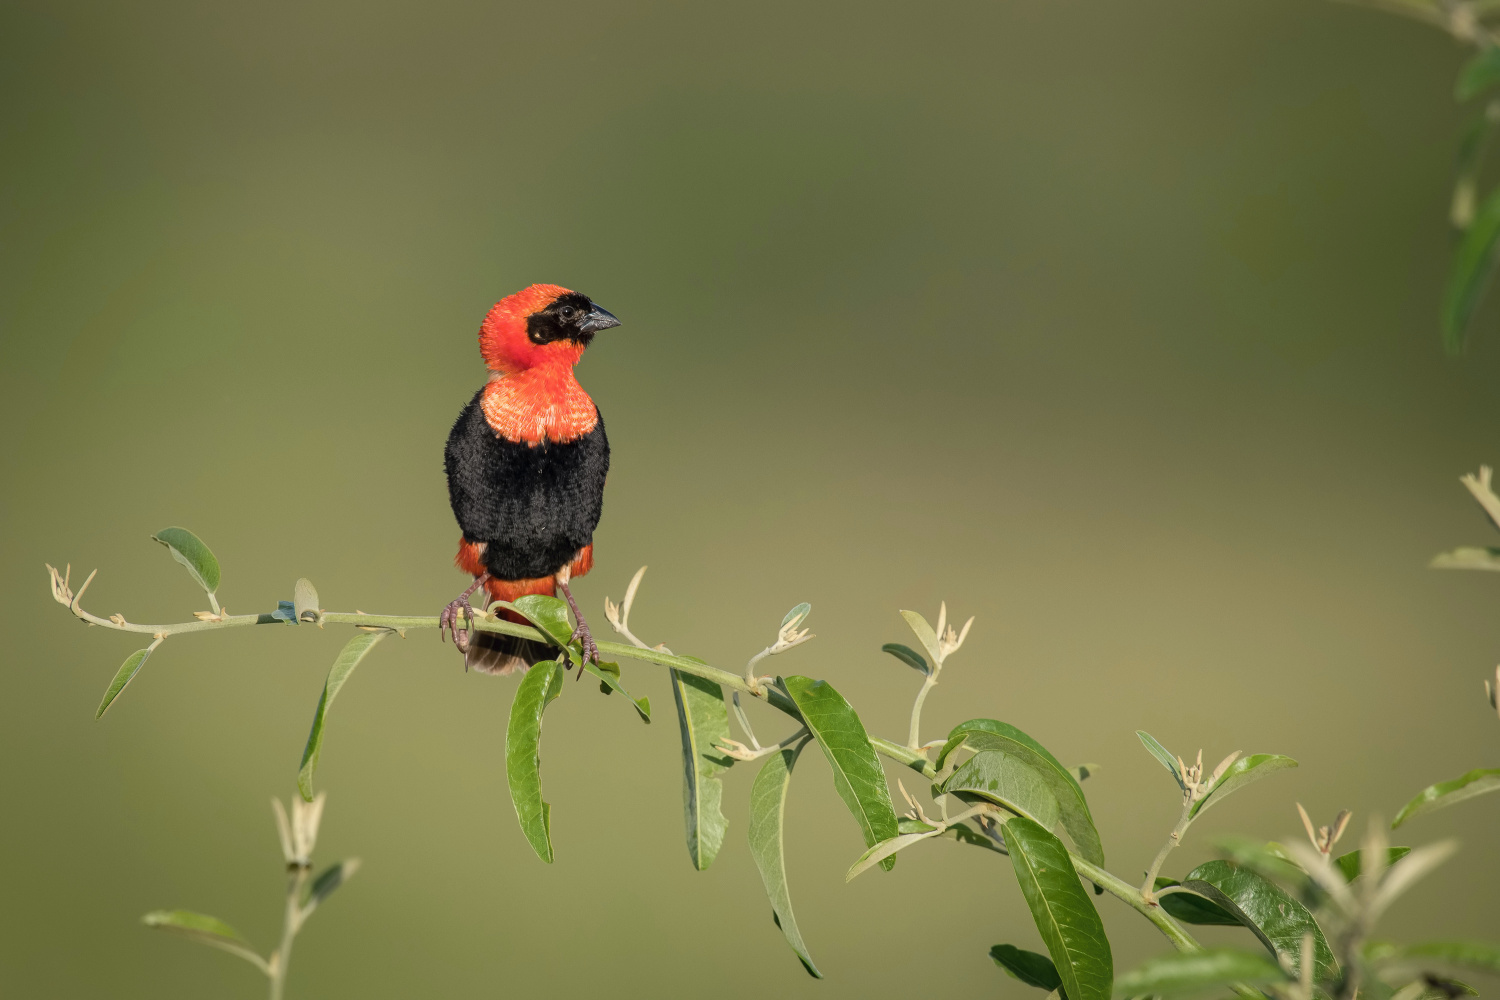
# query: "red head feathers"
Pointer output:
{"type": "Point", "coordinates": [532, 340]}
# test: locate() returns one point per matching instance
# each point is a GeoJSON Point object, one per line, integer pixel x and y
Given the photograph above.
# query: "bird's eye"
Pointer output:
{"type": "Point", "coordinates": [568, 312]}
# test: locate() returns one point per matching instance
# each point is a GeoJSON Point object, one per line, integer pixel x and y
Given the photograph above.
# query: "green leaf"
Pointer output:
{"type": "Point", "coordinates": [609, 680]}
{"type": "Point", "coordinates": [1008, 781]}
{"type": "Point", "coordinates": [1444, 793]}
{"type": "Point", "coordinates": [1466, 167]}
{"type": "Point", "coordinates": [1160, 753]}
{"type": "Point", "coordinates": [767, 844]}
{"type": "Point", "coordinates": [523, 761]}
{"type": "Point", "coordinates": [1082, 772]}
{"type": "Point", "coordinates": [1349, 864]}
{"type": "Point", "coordinates": [207, 930]}
{"type": "Point", "coordinates": [908, 656]}
{"type": "Point", "coordinates": [1063, 912]}
{"type": "Point", "coordinates": [1240, 774]}
{"type": "Point", "coordinates": [924, 633]}
{"type": "Point", "coordinates": [330, 879]}
{"type": "Point", "coordinates": [1191, 908]}
{"type": "Point", "coordinates": [349, 657]}
{"type": "Point", "coordinates": [1467, 558]}
{"type": "Point", "coordinates": [285, 611]}
{"type": "Point", "coordinates": [888, 848]}
{"type": "Point", "coordinates": [987, 734]}
{"type": "Point", "coordinates": [548, 614]}
{"type": "Point", "coordinates": [1479, 956]}
{"type": "Point", "coordinates": [1479, 74]}
{"type": "Point", "coordinates": [1027, 966]}
{"type": "Point", "coordinates": [702, 721]}
{"type": "Point", "coordinates": [1469, 276]}
{"type": "Point", "coordinates": [188, 549]}
{"type": "Point", "coordinates": [305, 600]}
{"type": "Point", "coordinates": [794, 617]}
{"type": "Point", "coordinates": [1261, 905]}
{"type": "Point", "coordinates": [857, 774]}
{"type": "Point", "coordinates": [123, 676]}
{"type": "Point", "coordinates": [1196, 972]}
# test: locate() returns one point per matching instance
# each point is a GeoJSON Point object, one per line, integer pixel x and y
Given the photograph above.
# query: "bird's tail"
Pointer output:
{"type": "Point", "coordinates": [496, 653]}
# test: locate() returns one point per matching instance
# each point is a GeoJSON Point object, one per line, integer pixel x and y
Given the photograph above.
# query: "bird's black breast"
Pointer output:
{"type": "Point", "coordinates": [533, 507]}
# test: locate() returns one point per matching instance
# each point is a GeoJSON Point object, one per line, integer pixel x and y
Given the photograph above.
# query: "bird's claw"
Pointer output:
{"type": "Point", "coordinates": [585, 639]}
{"type": "Point", "coordinates": [448, 622]}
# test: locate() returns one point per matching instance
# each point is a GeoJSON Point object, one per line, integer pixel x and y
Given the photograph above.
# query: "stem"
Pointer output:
{"type": "Point", "coordinates": [291, 922]}
{"type": "Point", "coordinates": [912, 742]}
{"type": "Point", "coordinates": [1148, 887]}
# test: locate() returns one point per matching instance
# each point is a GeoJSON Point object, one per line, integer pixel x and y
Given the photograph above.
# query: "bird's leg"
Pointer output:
{"type": "Point", "coordinates": [449, 620]}
{"type": "Point", "coordinates": [581, 631]}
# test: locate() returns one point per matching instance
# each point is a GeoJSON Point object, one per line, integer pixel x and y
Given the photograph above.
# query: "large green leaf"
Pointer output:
{"type": "Point", "coordinates": [1241, 773]}
{"type": "Point", "coordinates": [189, 550]}
{"type": "Point", "coordinates": [1190, 907]}
{"type": "Point", "coordinates": [1027, 966]}
{"type": "Point", "coordinates": [349, 657]}
{"type": "Point", "coordinates": [1471, 270]}
{"type": "Point", "coordinates": [999, 777]}
{"type": "Point", "coordinates": [1272, 915]}
{"type": "Point", "coordinates": [207, 930]}
{"type": "Point", "coordinates": [1063, 912]}
{"type": "Point", "coordinates": [1193, 972]}
{"type": "Point", "coordinates": [123, 676]}
{"type": "Point", "coordinates": [1350, 864]}
{"type": "Point", "coordinates": [768, 847]}
{"type": "Point", "coordinates": [523, 761]}
{"type": "Point", "coordinates": [702, 721]}
{"type": "Point", "coordinates": [988, 734]}
{"type": "Point", "coordinates": [1479, 74]}
{"type": "Point", "coordinates": [1447, 793]}
{"type": "Point", "coordinates": [857, 773]}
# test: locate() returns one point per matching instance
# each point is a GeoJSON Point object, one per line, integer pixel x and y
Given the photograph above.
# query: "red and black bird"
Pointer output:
{"type": "Point", "coordinates": [526, 463]}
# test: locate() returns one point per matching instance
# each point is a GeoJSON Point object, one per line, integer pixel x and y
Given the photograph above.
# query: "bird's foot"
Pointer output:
{"type": "Point", "coordinates": [585, 639]}
{"type": "Point", "coordinates": [448, 620]}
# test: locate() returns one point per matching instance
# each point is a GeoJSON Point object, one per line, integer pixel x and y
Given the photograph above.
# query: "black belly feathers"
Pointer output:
{"type": "Point", "coordinates": [534, 507]}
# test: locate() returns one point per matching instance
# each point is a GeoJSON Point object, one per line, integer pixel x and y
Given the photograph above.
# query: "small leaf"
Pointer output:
{"type": "Point", "coordinates": [857, 774]}
{"type": "Point", "coordinates": [1467, 558]}
{"type": "Point", "coordinates": [1082, 772]}
{"type": "Point", "coordinates": [548, 614]}
{"type": "Point", "coordinates": [330, 879]}
{"type": "Point", "coordinates": [908, 656]}
{"type": "Point", "coordinates": [795, 616]}
{"type": "Point", "coordinates": [1195, 972]}
{"type": "Point", "coordinates": [924, 633]}
{"type": "Point", "coordinates": [1062, 910]}
{"type": "Point", "coordinates": [886, 849]}
{"type": "Point", "coordinates": [1007, 781]}
{"type": "Point", "coordinates": [609, 680]}
{"type": "Point", "coordinates": [702, 721]}
{"type": "Point", "coordinates": [205, 930]}
{"type": "Point", "coordinates": [305, 600]}
{"type": "Point", "coordinates": [1470, 273]}
{"type": "Point", "coordinates": [1479, 74]}
{"type": "Point", "coordinates": [767, 844]}
{"type": "Point", "coordinates": [1349, 864]}
{"type": "Point", "coordinates": [1027, 966]}
{"type": "Point", "coordinates": [123, 676]}
{"type": "Point", "coordinates": [1192, 908]}
{"type": "Point", "coordinates": [523, 760]}
{"type": "Point", "coordinates": [1160, 753]}
{"type": "Point", "coordinates": [285, 611]}
{"type": "Point", "coordinates": [1447, 793]}
{"type": "Point", "coordinates": [1273, 916]}
{"type": "Point", "coordinates": [988, 734]}
{"type": "Point", "coordinates": [349, 657]}
{"type": "Point", "coordinates": [189, 550]}
{"type": "Point", "coordinates": [1240, 774]}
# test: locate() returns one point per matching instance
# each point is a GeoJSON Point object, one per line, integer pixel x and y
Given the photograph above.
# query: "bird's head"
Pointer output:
{"type": "Point", "coordinates": [540, 326]}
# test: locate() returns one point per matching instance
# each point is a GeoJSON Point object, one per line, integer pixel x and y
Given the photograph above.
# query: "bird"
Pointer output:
{"type": "Point", "coordinates": [526, 463]}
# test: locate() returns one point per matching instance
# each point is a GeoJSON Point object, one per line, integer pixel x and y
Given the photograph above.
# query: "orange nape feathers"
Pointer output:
{"type": "Point", "coordinates": [470, 559]}
{"type": "Point", "coordinates": [533, 396]}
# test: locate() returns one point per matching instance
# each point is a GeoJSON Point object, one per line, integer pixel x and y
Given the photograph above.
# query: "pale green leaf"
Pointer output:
{"type": "Point", "coordinates": [523, 762]}
{"type": "Point", "coordinates": [1241, 773]}
{"type": "Point", "coordinates": [189, 550]}
{"type": "Point", "coordinates": [305, 600]}
{"type": "Point", "coordinates": [207, 930]}
{"type": "Point", "coordinates": [1186, 974]}
{"type": "Point", "coordinates": [924, 633]}
{"type": "Point", "coordinates": [702, 722]}
{"type": "Point", "coordinates": [1446, 793]}
{"type": "Point", "coordinates": [768, 847]}
{"type": "Point", "coordinates": [1160, 753]}
{"type": "Point", "coordinates": [349, 657]}
{"type": "Point", "coordinates": [123, 676]}
{"type": "Point", "coordinates": [609, 680]}
{"type": "Point", "coordinates": [1467, 558]}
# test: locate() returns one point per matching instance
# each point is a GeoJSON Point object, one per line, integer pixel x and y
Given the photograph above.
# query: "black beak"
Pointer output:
{"type": "Point", "coordinates": [598, 318]}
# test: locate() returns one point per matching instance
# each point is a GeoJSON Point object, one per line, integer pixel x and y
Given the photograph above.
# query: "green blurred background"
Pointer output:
{"type": "Point", "coordinates": [1112, 324]}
